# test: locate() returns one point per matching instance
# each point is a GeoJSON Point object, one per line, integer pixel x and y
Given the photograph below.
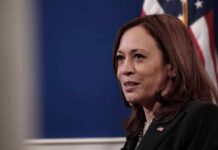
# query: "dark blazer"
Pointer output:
{"type": "Point", "coordinates": [193, 128]}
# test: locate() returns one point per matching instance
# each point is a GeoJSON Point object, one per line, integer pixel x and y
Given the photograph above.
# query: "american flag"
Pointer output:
{"type": "Point", "coordinates": [199, 18]}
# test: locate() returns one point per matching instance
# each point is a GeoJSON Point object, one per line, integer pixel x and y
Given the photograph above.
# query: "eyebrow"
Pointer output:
{"type": "Point", "coordinates": [131, 51]}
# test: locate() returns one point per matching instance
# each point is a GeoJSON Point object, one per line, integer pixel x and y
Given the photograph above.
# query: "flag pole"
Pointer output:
{"type": "Point", "coordinates": [185, 12]}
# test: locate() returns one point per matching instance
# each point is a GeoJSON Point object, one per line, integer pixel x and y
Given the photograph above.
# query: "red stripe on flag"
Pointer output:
{"type": "Point", "coordinates": [199, 51]}
{"type": "Point", "coordinates": [209, 19]}
{"type": "Point", "coordinates": [143, 13]}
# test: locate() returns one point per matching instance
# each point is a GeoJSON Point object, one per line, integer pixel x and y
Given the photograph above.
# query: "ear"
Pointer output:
{"type": "Point", "coordinates": [171, 72]}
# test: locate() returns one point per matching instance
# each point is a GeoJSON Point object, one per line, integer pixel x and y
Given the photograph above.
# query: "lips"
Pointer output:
{"type": "Point", "coordinates": [130, 86]}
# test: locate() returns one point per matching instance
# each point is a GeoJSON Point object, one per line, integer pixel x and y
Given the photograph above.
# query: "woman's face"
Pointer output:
{"type": "Point", "coordinates": [140, 66]}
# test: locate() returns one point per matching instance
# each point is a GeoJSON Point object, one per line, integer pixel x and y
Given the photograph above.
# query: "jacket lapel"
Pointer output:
{"type": "Point", "coordinates": [157, 132]}
{"type": "Point", "coordinates": [130, 145]}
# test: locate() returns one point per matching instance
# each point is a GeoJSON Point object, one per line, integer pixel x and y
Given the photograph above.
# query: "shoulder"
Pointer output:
{"type": "Point", "coordinates": [196, 107]}
{"type": "Point", "coordinates": [198, 121]}
{"type": "Point", "coordinates": [197, 112]}
{"type": "Point", "coordinates": [199, 127]}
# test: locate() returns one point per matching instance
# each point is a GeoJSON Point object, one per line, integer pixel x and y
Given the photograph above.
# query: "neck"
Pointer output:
{"type": "Point", "coordinates": [149, 111]}
{"type": "Point", "coordinates": [148, 114]}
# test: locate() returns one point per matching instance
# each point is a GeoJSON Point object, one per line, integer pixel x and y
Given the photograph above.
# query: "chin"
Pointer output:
{"type": "Point", "coordinates": [131, 99]}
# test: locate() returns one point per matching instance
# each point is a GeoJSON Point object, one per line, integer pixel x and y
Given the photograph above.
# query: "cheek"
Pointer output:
{"type": "Point", "coordinates": [154, 76]}
{"type": "Point", "coordinates": [119, 79]}
{"type": "Point", "coordinates": [160, 79]}
{"type": "Point", "coordinates": [118, 74]}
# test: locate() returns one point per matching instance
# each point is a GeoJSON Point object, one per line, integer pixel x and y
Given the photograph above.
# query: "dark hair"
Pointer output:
{"type": "Point", "coordinates": [191, 81]}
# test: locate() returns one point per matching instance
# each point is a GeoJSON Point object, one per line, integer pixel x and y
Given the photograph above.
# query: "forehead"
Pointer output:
{"type": "Point", "coordinates": [137, 38]}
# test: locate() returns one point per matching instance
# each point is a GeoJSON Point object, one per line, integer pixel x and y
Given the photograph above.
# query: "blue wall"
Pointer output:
{"type": "Point", "coordinates": [81, 97]}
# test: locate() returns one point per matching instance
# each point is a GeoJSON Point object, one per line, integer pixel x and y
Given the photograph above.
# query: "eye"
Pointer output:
{"type": "Point", "coordinates": [119, 58]}
{"type": "Point", "coordinates": [139, 56]}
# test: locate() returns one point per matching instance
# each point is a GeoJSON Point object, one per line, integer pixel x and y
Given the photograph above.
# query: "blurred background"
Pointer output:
{"type": "Point", "coordinates": [58, 87]}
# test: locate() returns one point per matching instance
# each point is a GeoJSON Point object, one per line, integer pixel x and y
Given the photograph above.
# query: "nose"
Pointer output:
{"type": "Point", "coordinates": [127, 67]}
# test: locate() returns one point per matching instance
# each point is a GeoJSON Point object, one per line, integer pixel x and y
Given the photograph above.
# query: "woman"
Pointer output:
{"type": "Point", "coordinates": [166, 87]}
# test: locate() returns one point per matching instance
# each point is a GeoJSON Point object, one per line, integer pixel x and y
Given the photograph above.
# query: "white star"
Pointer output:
{"type": "Point", "coordinates": [199, 4]}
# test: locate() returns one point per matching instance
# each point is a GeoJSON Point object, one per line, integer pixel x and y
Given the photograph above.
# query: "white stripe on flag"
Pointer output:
{"type": "Point", "coordinates": [200, 31]}
{"type": "Point", "coordinates": [152, 7]}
